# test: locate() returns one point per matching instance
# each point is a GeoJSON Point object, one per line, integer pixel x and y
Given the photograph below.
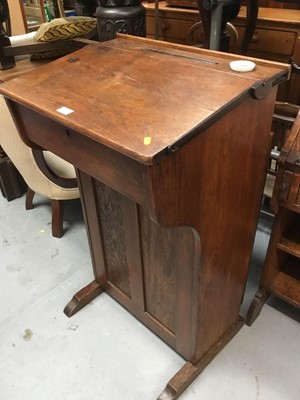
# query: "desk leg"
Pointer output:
{"type": "Point", "coordinates": [82, 298]}
{"type": "Point", "coordinates": [189, 372]}
{"type": "Point", "coordinates": [257, 304]}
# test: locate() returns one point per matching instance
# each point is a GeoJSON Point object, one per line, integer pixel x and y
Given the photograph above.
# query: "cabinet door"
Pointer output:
{"type": "Point", "coordinates": [273, 44]}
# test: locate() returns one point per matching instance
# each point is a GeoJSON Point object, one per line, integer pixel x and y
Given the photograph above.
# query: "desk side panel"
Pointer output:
{"type": "Point", "coordinates": [215, 184]}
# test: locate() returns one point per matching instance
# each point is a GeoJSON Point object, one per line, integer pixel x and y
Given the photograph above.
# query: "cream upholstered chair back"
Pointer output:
{"type": "Point", "coordinates": [58, 184]}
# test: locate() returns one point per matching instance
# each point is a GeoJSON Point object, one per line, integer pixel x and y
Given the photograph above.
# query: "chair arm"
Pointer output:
{"type": "Point", "coordinates": [50, 174]}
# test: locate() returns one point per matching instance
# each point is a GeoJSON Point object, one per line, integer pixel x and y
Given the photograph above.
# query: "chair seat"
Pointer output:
{"type": "Point", "coordinates": [59, 166]}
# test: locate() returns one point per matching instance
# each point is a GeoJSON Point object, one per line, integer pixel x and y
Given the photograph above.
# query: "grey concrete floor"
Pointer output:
{"type": "Point", "coordinates": [103, 352]}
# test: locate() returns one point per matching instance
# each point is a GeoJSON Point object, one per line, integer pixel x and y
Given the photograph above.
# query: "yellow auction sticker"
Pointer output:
{"type": "Point", "coordinates": [147, 140]}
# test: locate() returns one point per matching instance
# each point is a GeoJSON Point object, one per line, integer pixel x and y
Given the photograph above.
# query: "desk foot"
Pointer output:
{"type": "Point", "coordinates": [189, 372]}
{"type": "Point", "coordinates": [255, 307]}
{"type": "Point", "coordinates": [82, 298]}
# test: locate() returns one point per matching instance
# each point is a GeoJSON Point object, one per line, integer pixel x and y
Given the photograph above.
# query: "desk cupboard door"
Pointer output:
{"type": "Point", "coordinates": [149, 269]}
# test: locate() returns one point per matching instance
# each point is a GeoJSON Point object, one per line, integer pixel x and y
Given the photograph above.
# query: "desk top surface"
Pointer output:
{"type": "Point", "coordinates": [139, 97]}
{"type": "Point", "coordinates": [22, 66]}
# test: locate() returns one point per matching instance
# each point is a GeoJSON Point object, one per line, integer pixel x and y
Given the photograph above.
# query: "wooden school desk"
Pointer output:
{"type": "Point", "coordinates": [171, 149]}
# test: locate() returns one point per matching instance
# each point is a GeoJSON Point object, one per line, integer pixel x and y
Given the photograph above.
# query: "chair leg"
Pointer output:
{"type": "Point", "coordinates": [57, 218]}
{"type": "Point", "coordinates": [29, 199]}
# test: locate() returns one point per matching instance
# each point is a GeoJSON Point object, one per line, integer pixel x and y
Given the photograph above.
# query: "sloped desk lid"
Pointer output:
{"type": "Point", "coordinates": [142, 98]}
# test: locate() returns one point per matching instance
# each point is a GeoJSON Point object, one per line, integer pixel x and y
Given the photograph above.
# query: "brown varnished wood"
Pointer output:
{"type": "Point", "coordinates": [22, 66]}
{"type": "Point", "coordinates": [294, 140]}
{"type": "Point", "coordinates": [274, 14]}
{"type": "Point", "coordinates": [122, 173]}
{"type": "Point", "coordinates": [39, 158]}
{"type": "Point", "coordinates": [110, 209]}
{"type": "Point", "coordinates": [171, 224]}
{"type": "Point", "coordinates": [57, 207]}
{"type": "Point", "coordinates": [143, 266]}
{"type": "Point", "coordinates": [290, 246]}
{"type": "Point", "coordinates": [133, 83]}
{"type": "Point", "coordinates": [189, 372]}
{"type": "Point", "coordinates": [281, 271]}
{"type": "Point", "coordinates": [287, 288]}
{"type": "Point", "coordinates": [29, 199]}
{"type": "Point", "coordinates": [82, 298]}
{"type": "Point", "coordinates": [275, 37]}
{"type": "Point", "coordinates": [12, 184]}
{"type": "Point", "coordinates": [195, 163]}
{"type": "Point", "coordinates": [86, 187]}
{"type": "Point", "coordinates": [294, 4]}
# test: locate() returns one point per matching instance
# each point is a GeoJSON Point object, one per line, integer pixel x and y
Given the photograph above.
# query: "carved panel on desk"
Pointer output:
{"type": "Point", "coordinates": [170, 263]}
{"type": "Point", "coordinates": [109, 205]}
{"type": "Point", "coordinates": [148, 268]}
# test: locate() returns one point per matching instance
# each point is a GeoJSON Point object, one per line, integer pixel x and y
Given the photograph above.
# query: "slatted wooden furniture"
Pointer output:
{"type": "Point", "coordinates": [166, 169]}
{"type": "Point", "coordinates": [281, 271]}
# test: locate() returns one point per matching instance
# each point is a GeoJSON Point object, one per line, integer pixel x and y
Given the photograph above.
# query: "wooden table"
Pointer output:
{"type": "Point", "coordinates": [171, 148]}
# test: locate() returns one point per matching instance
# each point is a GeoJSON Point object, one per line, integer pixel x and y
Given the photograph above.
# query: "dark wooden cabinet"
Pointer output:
{"type": "Point", "coordinates": [163, 138]}
{"type": "Point", "coordinates": [174, 23]}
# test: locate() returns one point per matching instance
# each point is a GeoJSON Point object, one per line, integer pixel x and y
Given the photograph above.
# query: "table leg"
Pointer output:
{"type": "Point", "coordinates": [185, 376]}
{"type": "Point", "coordinates": [256, 305]}
{"type": "Point", "coordinates": [82, 298]}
